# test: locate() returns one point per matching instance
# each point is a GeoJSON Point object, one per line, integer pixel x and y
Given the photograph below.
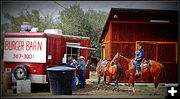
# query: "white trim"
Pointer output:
{"type": "Point", "coordinates": [53, 31]}
{"type": "Point", "coordinates": [70, 43]}
{"type": "Point", "coordinates": [161, 21]}
{"type": "Point", "coordinates": [79, 37]}
{"type": "Point", "coordinates": [80, 47]}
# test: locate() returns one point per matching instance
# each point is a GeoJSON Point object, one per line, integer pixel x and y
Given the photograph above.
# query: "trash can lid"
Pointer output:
{"type": "Point", "coordinates": [61, 68]}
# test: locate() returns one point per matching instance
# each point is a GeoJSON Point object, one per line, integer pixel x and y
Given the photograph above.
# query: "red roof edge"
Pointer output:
{"type": "Point", "coordinates": [25, 34]}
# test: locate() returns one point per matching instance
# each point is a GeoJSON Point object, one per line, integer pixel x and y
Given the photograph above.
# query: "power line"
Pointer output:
{"type": "Point", "coordinates": [60, 5]}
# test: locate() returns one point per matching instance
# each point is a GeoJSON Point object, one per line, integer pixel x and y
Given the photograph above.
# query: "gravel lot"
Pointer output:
{"type": "Point", "coordinates": [90, 91]}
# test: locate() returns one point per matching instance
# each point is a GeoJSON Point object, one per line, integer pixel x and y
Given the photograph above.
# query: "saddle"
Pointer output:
{"type": "Point", "coordinates": [145, 64]}
{"type": "Point", "coordinates": [103, 65]}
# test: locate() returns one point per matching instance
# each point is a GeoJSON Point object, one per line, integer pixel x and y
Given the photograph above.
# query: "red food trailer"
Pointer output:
{"type": "Point", "coordinates": [27, 54]}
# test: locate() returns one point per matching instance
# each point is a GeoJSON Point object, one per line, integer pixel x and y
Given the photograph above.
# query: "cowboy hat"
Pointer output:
{"type": "Point", "coordinates": [81, 57]}
{"type": "Point", "coordinates": [139, 44]}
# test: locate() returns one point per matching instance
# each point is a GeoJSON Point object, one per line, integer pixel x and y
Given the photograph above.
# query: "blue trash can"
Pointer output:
{"type": "Point", "coordinates": [60, 78]}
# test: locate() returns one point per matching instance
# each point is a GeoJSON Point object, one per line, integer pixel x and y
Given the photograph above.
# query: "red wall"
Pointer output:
{"type": "Point", "coordinates": [125, 35]}
{"type": "Point", "coordinates": [144, 32]}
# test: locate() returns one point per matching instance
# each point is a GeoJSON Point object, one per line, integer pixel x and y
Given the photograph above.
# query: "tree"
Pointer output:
{"type": "Point", "coordinates": [74, 21]}
{"type": "Point", "coordinates": [97, 21]}
{"type": "Point", "coordinates": [32, 17]}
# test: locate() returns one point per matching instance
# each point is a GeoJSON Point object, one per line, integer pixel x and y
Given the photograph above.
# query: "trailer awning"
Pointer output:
{"type": "Point", "coordinates": [77, 45]}
{"type": "Point", "coordinates": [80, 47]}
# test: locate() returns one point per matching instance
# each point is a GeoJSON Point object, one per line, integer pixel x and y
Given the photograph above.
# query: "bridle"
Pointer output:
{"type": "Point", "coordinates": [127, 65]}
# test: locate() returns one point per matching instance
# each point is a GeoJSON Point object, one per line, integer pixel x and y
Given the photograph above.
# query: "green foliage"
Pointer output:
{"type": "Point", "coordinates": [74, 21]}
{"type": "Point", "coordinates": [32, 17]}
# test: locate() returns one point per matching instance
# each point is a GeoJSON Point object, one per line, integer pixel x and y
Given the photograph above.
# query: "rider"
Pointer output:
{"type": "Point", "coordinates": [140, 55]}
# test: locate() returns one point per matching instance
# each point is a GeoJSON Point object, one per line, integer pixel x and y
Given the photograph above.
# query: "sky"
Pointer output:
{"type": "Point", "coordinates": [52, 9]}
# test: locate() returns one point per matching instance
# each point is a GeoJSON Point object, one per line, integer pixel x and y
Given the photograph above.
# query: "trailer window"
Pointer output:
{"type": "Point", "coordinates": [74, 52]}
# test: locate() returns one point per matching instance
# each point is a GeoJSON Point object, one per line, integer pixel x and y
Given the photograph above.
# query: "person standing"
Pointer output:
{"type": "Point", "coordinates": [82, 67]}
{"type": "Point", "coordinates": [70, 60]}
{"type": "Point", "coordinates": [74, 64]}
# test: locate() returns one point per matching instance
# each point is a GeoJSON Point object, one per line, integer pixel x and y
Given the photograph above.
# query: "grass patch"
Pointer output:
{"type": "Point", "coordinates": [141, 85]}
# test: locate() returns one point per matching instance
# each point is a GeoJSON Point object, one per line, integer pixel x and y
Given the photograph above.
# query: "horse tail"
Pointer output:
{"type": "Point", "coordinates": [164, 72]}
{"type": "Point", "coordinates": [118, 71]}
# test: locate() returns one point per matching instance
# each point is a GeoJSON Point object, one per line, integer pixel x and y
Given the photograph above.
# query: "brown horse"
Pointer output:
{"type": "Point", "coordinates": [92, 60]}
{"type": "Point", "coordinates": [111, 69]}
{"type": "Point", "coordinates": [154, 70]}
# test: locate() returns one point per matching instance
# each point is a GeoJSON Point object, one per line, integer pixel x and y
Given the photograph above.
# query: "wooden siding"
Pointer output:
{"type": "Point", "coordinates": [107, 37]}
{"type": "Point", "coordinates": [60, 49]}
{"type": "Point", "coordinates": [125, 49]}
{"type": "Point", "coordinates": [144, 32]}
{"type": "Point", "coordinates": [167, 55]}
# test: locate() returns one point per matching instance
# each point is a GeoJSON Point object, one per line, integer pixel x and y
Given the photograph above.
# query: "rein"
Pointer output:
{"type": "Point", "coordinates": [127, 64]}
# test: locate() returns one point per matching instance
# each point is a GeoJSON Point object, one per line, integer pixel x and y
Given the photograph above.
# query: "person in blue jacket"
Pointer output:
{"type": "Point", "coordinates": [74, 64]}
{"type": "Point", "coordinates": [70, 60]}
{"type": "Point", "coordinates": [139, 57]}
{"type": "Point", "coordinates": [82, 68]}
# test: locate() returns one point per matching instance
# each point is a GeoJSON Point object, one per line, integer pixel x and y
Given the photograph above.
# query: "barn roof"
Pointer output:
{"type": "Point", "coordinates": [129, 14]}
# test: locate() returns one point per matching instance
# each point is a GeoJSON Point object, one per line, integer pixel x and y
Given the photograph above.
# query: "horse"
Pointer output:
{"type": "Point", "coordinates": [97, 62]}
{"type": "Point", "coordinates": [154, 70]}
{"type": "Point", "coordinates": [92, 60]}
{"type": "Point", "coordinates": [112, 70]}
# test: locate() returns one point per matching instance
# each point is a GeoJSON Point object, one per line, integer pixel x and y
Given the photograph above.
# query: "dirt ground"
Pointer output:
{"type": "Point", "coordinates": [91, 91]}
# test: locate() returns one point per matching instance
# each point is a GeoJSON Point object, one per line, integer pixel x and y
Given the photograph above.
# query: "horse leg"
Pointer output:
{"type": "Point", "coordinates": [114, 86]}
{"type": "Point", "coordinates": [133, 89]}
{"type": "Point", "coordinates": [117, 84]}
{"type": "Point", "coordinates": [105, 82]}
{"type": "Point", "coordinates": [99, 79]}
{"type": "Point", "coordinates": [155, 76]}
{"type": "Point", "coordinates": [131, 80]}
{"type": "Point", "coordinates": [156, 83]}
{"type": "Point", "coordinates": [129, 88]}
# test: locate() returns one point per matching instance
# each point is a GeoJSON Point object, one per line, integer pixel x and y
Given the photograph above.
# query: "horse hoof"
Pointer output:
{"type": "Point", "coordinates": [132, 94]}
{"type": "Point", "coordinates": [97, 88]}
{"type": "Point", "coordinates": [129, 93]}
{"type": "Point", "coordinates": [117, 90]}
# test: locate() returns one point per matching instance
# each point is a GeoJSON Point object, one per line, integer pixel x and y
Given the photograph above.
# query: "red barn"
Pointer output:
{"type": "Point", "coordinates": [157, 30]}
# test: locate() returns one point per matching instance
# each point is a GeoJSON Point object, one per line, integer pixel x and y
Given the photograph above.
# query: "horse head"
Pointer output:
{"type": "Point", "coordinates": [116, 58]}
{"type": "Point", "coordinates": [123, 61]}
{"type": "Point", "coordinates": [89, 62]}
